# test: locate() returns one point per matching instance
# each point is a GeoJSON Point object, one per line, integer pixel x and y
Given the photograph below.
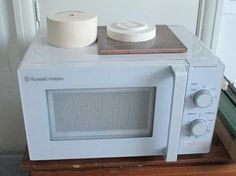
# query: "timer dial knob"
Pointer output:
{"type": "Point", "coordinates": [203, 98]}
{"type": "Point", "coordinates": [199, 127]}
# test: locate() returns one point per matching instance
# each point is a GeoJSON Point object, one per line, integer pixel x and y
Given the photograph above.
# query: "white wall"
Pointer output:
{"type": "Point", "coordinates": [149, 11]}
{"type": "Point", "coordinates": [225, 45]}
{"type": "Point", "coordinates": [218, 32]}
{"type": "Point", "coordinates": [208, 21]}
{"type": "Point", "coordinates": [12, 138]}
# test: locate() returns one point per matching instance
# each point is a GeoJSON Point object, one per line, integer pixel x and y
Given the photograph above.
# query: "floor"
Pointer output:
{"type": "Point", "coordinates": [10, 165]}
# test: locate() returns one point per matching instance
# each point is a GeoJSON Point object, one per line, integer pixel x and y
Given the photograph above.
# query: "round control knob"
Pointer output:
{"type": "Point", "coordinates": [199, 127]}
{"type": "Point", "coordinates": [203, 98]}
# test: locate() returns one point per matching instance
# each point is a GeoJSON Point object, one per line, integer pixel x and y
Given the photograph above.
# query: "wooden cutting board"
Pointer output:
{"type": "Point", "coordinates": [165, 42]}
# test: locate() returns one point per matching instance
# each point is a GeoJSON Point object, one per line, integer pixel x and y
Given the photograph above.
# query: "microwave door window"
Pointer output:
{"type": "Point", "coordinates": [101, 113]}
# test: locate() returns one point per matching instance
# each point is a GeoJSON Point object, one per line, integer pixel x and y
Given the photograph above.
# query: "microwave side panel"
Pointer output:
{"type": "Point", "coordinates": [205, 80]}
{"type": "Point", "coordinates": [205, 76]}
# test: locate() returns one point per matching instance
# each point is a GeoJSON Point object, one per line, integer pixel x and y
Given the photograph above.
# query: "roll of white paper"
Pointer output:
{"type": "Point", "coordinates": [72, 29]}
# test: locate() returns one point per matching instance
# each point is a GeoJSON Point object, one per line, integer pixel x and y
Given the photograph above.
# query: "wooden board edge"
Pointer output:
{"type": "Point", "coordinates": [144, 51]}
{"type": "Point", "coordinates": [226, 170]}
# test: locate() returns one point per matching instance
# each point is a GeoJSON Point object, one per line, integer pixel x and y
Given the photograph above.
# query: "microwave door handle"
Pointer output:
{"type": "Point", "coordinates": [177, 106]}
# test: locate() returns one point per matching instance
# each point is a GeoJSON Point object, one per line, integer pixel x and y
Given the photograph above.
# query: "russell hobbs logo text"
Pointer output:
{"type": "Point", "coordinates": [41, 79]}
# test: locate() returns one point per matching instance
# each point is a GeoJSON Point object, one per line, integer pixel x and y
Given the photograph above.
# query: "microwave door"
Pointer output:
{"type": "Point", "coordinates": [123, 111]}
{"type": "Point", "coordinates": [113, 113]}
{"type": "Point", "coordinates": [177, 106]}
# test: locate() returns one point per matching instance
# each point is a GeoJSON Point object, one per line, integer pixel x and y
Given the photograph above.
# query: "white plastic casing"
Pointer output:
{"type": "Point", "coordinates": [176, 77]}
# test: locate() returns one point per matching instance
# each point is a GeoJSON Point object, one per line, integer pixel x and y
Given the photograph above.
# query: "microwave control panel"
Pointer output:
{"type": "Point", "coordinates": [201, 104]}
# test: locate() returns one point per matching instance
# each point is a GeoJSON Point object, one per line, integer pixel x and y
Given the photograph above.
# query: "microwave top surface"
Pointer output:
{"type": "Point", "coordinates": [40, 52]}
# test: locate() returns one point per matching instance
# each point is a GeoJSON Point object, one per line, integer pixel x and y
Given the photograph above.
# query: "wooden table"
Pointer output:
{"type": "Point", "coordinates": [216, 163]}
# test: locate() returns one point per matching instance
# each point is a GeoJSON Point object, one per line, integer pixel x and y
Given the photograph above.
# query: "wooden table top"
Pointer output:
{"type": "Point", "coordinates": [216, 163]}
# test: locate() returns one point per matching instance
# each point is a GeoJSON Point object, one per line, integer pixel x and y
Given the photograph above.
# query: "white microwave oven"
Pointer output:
{"type": "Point", "coordinates": [78, 104]}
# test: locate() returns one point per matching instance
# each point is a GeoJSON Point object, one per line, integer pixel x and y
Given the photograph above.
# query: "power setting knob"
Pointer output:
{"type": "Point", "coordinates": [198, 127]}
{"type": "Point", "coordinates": [203, 98]}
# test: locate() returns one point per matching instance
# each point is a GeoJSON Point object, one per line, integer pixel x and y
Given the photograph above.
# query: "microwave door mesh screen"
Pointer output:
{"type": "Point", "coordinates": [101, 113]}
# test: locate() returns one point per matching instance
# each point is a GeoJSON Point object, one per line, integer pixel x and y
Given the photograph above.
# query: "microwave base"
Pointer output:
{"type": "Point", "coordinates": [217, 162]}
